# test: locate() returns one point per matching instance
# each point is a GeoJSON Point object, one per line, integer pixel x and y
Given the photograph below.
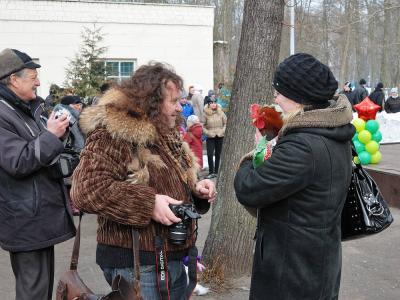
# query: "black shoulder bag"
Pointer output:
{"type": "Point", "coordinates": [365, 211]}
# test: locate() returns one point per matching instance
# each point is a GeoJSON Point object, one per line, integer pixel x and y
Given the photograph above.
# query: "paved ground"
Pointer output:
{"type": "Point", "coordinates": [371, 266]}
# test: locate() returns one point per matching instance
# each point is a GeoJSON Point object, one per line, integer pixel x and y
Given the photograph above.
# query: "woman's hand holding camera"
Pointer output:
{"type": "Point", "coordinates": [162, 213]}
{"type": "Point", "coordinates": [57, 126]}
{"type": "Point", "coordinates": [205, 189]}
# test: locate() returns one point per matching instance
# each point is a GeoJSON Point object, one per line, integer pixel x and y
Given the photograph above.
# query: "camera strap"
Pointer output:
{"type": "Point", "coordinates": [161, 268]}
{"type": "Point", "coordinates": [192, 271]}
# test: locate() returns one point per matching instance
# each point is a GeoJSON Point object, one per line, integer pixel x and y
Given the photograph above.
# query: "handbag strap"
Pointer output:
{"type": "Point", "coordinates": [135, 249]}
{"type": "Point", "coordinates": [136, 263]}
{"type": "Point", "coordinates": [75, 249]}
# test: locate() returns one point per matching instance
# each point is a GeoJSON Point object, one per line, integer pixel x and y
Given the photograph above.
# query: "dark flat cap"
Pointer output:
{"type": "Point", "coordinates": [12, 61]}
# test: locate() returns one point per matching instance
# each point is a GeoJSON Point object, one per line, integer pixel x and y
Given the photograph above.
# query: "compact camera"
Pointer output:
{"type": "Point", "coordinates": [62, 111]}
{"type": "Point", "coordinates": [178, 231]}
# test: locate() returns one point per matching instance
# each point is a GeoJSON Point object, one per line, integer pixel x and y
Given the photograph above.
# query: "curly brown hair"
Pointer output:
{"type": "Point", "coordinates": [146, 88]}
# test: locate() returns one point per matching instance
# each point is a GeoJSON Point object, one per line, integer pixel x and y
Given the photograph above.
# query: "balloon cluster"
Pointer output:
{"type": "Point", "coordinates": [367, 137]}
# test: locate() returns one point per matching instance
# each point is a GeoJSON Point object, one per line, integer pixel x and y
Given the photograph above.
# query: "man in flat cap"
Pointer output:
{"type": "Point", "coordinates": [33, 213]}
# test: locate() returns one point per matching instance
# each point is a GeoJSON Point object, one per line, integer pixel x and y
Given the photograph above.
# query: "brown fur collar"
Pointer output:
{"type": "Point", "coordinates": [339, 113]}
{"type": "Point", "coordinates": [113, 112]}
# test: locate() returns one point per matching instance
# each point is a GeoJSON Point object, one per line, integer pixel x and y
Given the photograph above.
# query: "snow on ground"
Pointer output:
{"type": "Point", "coordinates": [389, 126]}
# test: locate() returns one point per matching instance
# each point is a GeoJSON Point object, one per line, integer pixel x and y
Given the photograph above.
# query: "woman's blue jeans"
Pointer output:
{"type": "Point", "coordinates": [148, 279]}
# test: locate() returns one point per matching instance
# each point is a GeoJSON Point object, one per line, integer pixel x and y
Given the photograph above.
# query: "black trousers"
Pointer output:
{"type": "Point", "coordinates": [34, 273]}
{"type": "Point", "coordinates": [214, 144]}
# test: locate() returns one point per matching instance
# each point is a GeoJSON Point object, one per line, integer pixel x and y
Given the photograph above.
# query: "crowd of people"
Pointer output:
{"type": "Point", "coordinates": [390, 104]}
{"type": "Point", "coordinates": [203, 119]}
{"type": "Point", "coordinates": [138, 175]}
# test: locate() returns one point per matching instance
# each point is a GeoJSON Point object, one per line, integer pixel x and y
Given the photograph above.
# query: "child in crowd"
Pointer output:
{"type": "Point", "coordinates": [187, 108]}
{"type": "Point", "coordinates": [193, 137]}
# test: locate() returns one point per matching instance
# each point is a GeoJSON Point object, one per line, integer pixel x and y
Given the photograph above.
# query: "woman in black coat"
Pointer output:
{"type": "Point", "coordinates": [378, 96]}
{"type": "Point", "coordinates": [300, 190]}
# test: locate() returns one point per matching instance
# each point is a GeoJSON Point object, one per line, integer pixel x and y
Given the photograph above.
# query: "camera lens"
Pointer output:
{"type": "Point", "coordinates": [177, 233]}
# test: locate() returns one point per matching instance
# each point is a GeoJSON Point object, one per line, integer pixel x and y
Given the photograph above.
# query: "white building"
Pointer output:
{"type": "Point", "coordinates": [134, 34]}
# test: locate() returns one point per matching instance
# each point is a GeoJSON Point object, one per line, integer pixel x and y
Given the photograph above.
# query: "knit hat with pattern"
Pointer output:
{"type": "Point", "coordinates": [304, 79]}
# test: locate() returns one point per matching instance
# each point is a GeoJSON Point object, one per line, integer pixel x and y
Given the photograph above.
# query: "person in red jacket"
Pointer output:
{"type": "Point", "coordinates": [193, 137]}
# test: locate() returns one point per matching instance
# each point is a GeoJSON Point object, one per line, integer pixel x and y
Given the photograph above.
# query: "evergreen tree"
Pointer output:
{"type": "Point", "coordinates": [86, 72]}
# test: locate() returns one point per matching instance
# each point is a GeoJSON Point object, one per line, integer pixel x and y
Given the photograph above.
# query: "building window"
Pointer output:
{"type": "Point", "coordinates": [119, 70]}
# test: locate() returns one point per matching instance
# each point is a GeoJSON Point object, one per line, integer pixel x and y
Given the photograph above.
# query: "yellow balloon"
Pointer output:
{"type": "Point", "coordinates": [371, 147]}
{"type": "Point", "coordinates": [356, 160]}
{"type": "Point", "coordinates": [359, 124]}
{"type": "Point", "coordinates": [364, 136]}
{"type": "Point", "coordinates": [376, 157]}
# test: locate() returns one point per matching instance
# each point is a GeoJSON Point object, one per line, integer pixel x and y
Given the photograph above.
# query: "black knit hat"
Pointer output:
{"type": "Point", "coordinates": [304, 79]}
{"type": "Point", "coordinates": [67, 100]}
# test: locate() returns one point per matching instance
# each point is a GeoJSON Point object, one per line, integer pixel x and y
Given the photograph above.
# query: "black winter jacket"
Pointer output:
{"type": "Point", "coordinates": [33, 212]}
{"type": "Point", "coordinates": [377, 96]}
{"type": "Point", "coordinates": [360, 93]}
{"type": "Point", "coordinates": [392, 105]}
{"type": "Point", "coordinates": [299, 193]}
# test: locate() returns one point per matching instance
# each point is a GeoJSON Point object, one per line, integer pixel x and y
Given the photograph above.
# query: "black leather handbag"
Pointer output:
{"type": "Point", "coordinates": [365, 211]}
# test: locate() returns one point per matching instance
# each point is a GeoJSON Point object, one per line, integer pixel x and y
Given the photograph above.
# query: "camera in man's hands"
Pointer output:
{"type": "Point", "coordinates": [62, 111]}
{"type": "Point", "coordinates": [178, 231]}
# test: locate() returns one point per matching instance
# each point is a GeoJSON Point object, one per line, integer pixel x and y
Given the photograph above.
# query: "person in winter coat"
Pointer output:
{"type": "Point", "coordinates": [197, 102]}
{"type": "Point", "coordinates": [392, 104]}
{"type": "Point", "coordinates": [75, 139]}
{"type": "Point", "coordinates": [378, 96]}
{"type": "Point", "coordinates": [34, 216]}
{"type": "Point", "coordinates": [349, 93]}
{"type": "Point", "coordinates": [193, 137]}
{"type": "Point", "coordinates": [300, 190]}
{"type": "Point", "coordinates": [360, 92]}
{"type": "Point", "coordinates": [133, 168]}
{"type": "Point", "coordinates": [214, 129]}
{"type": "Point", "coordinates": [187, 108]}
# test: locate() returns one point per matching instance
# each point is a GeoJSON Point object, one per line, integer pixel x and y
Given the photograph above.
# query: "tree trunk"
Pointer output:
{"type": "Point", "coordinates": [344, 67]}
{"type": "Point", "coordinates": [230, 239]}
{"type": "Point", "coordinates": [222, 39]}
{"type": "Point", "coordinates": [385, 49]}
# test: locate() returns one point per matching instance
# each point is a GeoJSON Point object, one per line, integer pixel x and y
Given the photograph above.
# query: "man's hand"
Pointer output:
{"type": "Point", "coordinates": [57, 126]}
{"type": "Point", "coordinates": [162, 213]}
{"type": "Point", "coordinates": [205, 189]}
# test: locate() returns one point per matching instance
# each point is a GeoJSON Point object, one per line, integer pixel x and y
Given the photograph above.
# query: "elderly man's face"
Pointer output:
{"type": "Point", "coordinates": [171, 107]}
{"type": "Point", "coordinates": [25, 86]}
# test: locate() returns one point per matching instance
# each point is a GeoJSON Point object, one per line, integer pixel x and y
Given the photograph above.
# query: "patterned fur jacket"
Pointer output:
{"type": "Point", "coordinates": [124, 164]}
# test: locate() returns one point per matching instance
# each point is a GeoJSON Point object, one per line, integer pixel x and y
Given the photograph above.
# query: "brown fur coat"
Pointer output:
{"type": "Point", "coordinates": [122, 167]}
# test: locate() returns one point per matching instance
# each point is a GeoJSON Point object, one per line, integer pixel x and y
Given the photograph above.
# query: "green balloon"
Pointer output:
{"type": "Point", "coordinates": [372, 147]}
{"type": "Point", "coordinates": [364, 157]}
{"type": "Point", "coordinates": [377, 136]}
{"type": "Point", "coordinates": [372, 126]}
{"type": "Point", "coordinates": [356, 160]}
{"type": "Point", "coordinates": [355, 137]}
{"type": "Point", "coordinates": [359, 124]}
{"type": "Point", "coordinates": [359, 146]}
{"type": "Point", "coordinates": [364, 136]}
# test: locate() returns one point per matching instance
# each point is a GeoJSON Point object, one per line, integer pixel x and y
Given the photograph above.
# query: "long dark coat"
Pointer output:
{"type": "Point", "coordinates": [299, 193]}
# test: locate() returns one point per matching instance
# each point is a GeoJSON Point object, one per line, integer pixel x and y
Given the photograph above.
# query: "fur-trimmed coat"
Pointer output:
{"type": "Point", "coordinates": [122, 167]}
{"type": "Point", "coordinates": [299, 193]}
{"type": "Point", "coordinates": [214, 122]}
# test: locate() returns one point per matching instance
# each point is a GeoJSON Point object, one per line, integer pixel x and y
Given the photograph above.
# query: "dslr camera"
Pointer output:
{"type": "Point", "coordinates": [177, 234]}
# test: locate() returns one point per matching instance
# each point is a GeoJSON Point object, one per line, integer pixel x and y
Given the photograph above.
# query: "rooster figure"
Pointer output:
{"type": "Point", "coordinates": [268, 120]}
